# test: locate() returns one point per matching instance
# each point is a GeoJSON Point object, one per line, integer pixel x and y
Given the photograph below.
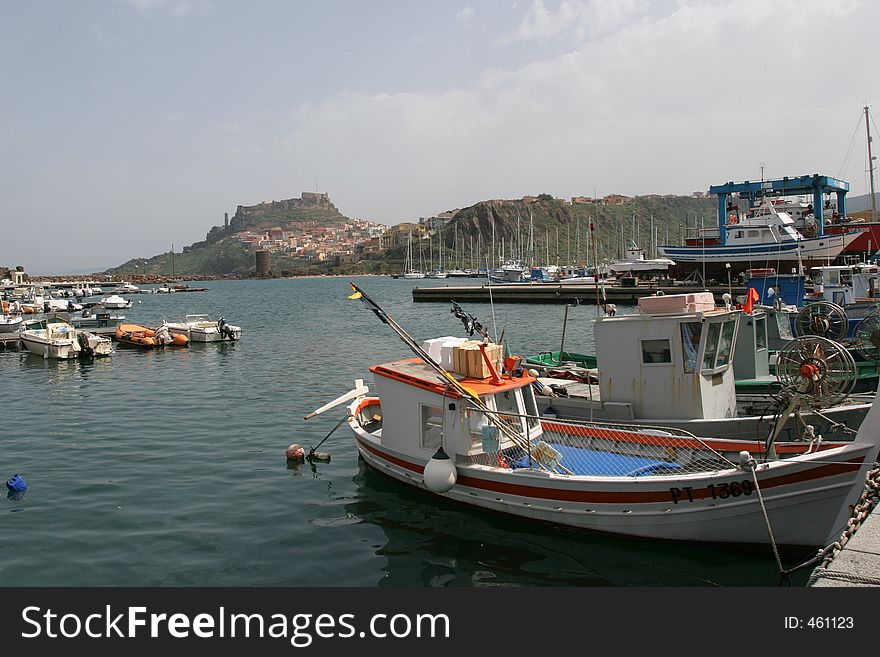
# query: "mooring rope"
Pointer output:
{"type": "Point", "coordinates": [753, 466]}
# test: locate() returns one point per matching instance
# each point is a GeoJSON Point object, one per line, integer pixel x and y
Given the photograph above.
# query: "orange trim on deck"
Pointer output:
{"type": "Point", "coordinates": [479, 386]}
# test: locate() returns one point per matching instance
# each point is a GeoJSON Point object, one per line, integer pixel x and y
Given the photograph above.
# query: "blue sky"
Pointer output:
{"type": "Point", "coordinates": [127, 126]}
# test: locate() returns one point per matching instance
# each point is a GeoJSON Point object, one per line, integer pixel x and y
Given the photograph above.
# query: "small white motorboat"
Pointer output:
{"type": "Point", "coordinates": [480, 441]}
{"type": "Point", "coordinates": [115, 302]}
{"type": "Point", "coordinates": [9, 324]}
{"type": "Point", "coordinates": [53, 338]}
{"type": "Point", "coordinates": [201, 328]}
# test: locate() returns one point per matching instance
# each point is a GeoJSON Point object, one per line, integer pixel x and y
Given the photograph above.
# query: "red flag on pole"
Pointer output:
{"type": "Point", "coordinates": [751, 297]}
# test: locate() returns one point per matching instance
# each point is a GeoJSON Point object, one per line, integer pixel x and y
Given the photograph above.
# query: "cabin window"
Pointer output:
{"type": "Point", "coordinates": [738, 233]}
{"type": "Point", "coordinates": [656, 351]}
{"type": "Point", "coordinates": [754, 233]}
{"type": "Point", "coordinates": [725, 344]}
{"type": "Point", "coordinates": [432, 426]}
{"type": "Point", "coordinates": [508, 409]}
{"type": "Point", "coordinates": [690, 344]}
{"type": "Point", "coordinates": [531, 407]}
{"type": "Point", "coordinates": [760, 333]}
{"type": "Point", "coordinates": [712, 334]}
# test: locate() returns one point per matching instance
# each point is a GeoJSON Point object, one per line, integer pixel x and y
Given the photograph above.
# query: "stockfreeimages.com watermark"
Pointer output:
{"type": "Point", "coordinates": [300, 629]}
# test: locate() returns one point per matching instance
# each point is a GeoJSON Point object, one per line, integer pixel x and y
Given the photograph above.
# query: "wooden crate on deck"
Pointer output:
{"type": "Point", "coordinates": [477, 367]}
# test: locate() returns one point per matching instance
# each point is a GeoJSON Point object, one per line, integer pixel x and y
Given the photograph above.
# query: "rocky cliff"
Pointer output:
{"type": "Point", "coordinates": [557, 227]}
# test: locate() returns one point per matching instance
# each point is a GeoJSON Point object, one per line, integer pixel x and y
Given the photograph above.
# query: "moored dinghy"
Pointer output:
{"type": "Point", "coordinates": [201, 328]}
{"type": "Point", "coordinates": [141, 336]}
{"type": "Point", "coordinates": [480, 441]}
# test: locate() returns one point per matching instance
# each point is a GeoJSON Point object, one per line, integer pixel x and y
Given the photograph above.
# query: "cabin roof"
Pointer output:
{"type": "Point", "coordinates": [415, 372]}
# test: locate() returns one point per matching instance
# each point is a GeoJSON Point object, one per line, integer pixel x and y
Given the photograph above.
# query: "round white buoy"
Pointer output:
{"type": "Point", "coordinates": [295, 452]}
{"type": "Point", "coordinates": [534, 373]}
{"type": "Point", "coordinates": [440, 474]}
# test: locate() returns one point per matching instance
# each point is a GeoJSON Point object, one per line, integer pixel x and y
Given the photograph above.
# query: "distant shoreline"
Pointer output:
{"type": "Point", "coordinates": [161, 280]}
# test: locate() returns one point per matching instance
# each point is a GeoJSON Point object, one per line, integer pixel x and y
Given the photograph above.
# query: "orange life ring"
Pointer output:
{"type": "Point", "coordinates": [732, 219]}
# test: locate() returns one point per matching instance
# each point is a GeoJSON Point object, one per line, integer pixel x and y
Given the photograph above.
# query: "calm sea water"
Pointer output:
{"type": "Point", "coordinates": [167, 468]}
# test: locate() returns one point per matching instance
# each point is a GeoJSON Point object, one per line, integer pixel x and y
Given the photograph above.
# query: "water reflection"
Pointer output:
{"type": "Point", "coordinates": [432, 541]}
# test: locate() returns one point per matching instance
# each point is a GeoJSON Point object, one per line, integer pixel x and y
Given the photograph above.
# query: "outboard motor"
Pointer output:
{"type": "Point", "coordinates": [224, 329]}
{"type": "Point", "coordinates": [163, 335]}
{"type": "Point", "coordinates": [85, 348]}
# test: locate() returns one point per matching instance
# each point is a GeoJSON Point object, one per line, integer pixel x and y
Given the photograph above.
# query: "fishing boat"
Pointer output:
{"type": "Point", "coordinates": [201, 328]}
{"type": "Point", "coordinates": [683, 362]}
{"type": "Point", "coordinates": [136, 335]}
{"type": "Point", "coordinates": [481, 442]}
{"type": "Point", "coordinates": [53, 338]}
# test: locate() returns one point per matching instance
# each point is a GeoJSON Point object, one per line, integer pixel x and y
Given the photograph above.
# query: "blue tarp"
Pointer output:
{"type": "Point", "coordinates": [581, 461]}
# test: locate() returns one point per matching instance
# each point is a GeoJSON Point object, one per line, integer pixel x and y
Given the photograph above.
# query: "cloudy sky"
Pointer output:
{"type": "Point", "coordinates": [127, 126]}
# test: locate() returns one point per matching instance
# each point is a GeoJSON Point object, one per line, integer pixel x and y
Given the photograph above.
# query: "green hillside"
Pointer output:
{"type": "Point", "coordinates": [557, 227]}
{"type": "Point", "coordinates": [224, 257]}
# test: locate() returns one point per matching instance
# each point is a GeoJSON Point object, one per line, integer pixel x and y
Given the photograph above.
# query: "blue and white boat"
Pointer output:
{"type": "Point", "coordinates": [762, 237]}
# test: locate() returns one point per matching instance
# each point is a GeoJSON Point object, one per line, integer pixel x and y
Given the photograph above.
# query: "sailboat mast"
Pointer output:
{"type": "Point", "coordinates": [870, 166]}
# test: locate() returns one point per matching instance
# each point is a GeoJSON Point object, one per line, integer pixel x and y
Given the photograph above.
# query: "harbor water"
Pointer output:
{"type": "Point", "coordinates": [167, 467]}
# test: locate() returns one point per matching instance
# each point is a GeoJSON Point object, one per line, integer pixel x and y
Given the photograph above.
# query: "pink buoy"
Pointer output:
{"type": "Point", "coordinates": [295, 452]}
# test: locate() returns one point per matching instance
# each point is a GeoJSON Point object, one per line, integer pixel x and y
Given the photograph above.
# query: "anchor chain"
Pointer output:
{"type": "Point", "coordinates": [868, 500]}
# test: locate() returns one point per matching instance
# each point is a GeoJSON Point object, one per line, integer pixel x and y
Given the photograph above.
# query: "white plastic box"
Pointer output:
{"type": "Point", "coordinates": [447, 348]}
{"type": "Point", "coordinates": [434, 347]}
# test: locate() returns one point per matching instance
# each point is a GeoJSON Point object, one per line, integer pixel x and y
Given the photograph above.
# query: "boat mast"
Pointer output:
{"type": "Point", "coordinates": [870, 166]}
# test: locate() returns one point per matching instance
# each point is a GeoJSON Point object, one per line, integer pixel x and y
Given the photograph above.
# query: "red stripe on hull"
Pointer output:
{"type": "Point", "coordinates": [617, 497]}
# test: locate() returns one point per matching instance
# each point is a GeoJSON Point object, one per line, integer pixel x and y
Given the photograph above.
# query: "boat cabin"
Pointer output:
{"type": "Point", "coordinates": [672, 360]}
{"type": "Point", "coordinates": [420, 413]}
{"type": "Point", "coordinates": [844, 285]}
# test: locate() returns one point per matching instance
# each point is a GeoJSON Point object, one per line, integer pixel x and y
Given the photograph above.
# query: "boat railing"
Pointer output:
{"type": "Point", "coordinates": [575, 447]}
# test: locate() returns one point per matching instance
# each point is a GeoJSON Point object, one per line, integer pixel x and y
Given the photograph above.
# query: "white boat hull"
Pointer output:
{"type": "Point", "coordinates": [61, 349]}
{"type": "Point", "coordinates": [806, 500]}
{"type": "Point", "coordinates": [821, 249]}
{"type": "Point", "coordinates": [203, 334]}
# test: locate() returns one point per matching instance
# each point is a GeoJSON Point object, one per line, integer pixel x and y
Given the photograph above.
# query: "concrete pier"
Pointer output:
{"type": "Point", "coordinates": [858, 563]}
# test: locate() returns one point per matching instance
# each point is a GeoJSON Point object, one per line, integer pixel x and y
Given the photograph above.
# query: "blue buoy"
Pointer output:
{"type": "Point", "coordinates": [16, 484]}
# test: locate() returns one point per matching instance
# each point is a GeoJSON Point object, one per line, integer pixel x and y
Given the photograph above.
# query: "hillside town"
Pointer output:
{"type": "Point", "coordinates": [348, 241]}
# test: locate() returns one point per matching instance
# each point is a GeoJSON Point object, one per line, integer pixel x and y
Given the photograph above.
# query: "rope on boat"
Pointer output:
{"type": "Point", "coordinates": [644, 429]}
{"type": "Point", "coordinates": [753, 466]}
{"type": "Point", "coordinates": [868, 500]}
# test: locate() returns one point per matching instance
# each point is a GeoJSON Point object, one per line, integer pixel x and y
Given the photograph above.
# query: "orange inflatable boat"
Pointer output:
{"type": "Point", "coordinates": [141, 336]}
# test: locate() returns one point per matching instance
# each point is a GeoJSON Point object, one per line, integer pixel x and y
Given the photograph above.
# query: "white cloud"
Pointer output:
{"type": "Point", "coordinates": [179, 8]}
{"type": "Point", "coordinates": [669, 104]}
{"type": "Point", "coordinates": [583, 18]}
{"type": "Point", "coordinates": [464, 16]}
